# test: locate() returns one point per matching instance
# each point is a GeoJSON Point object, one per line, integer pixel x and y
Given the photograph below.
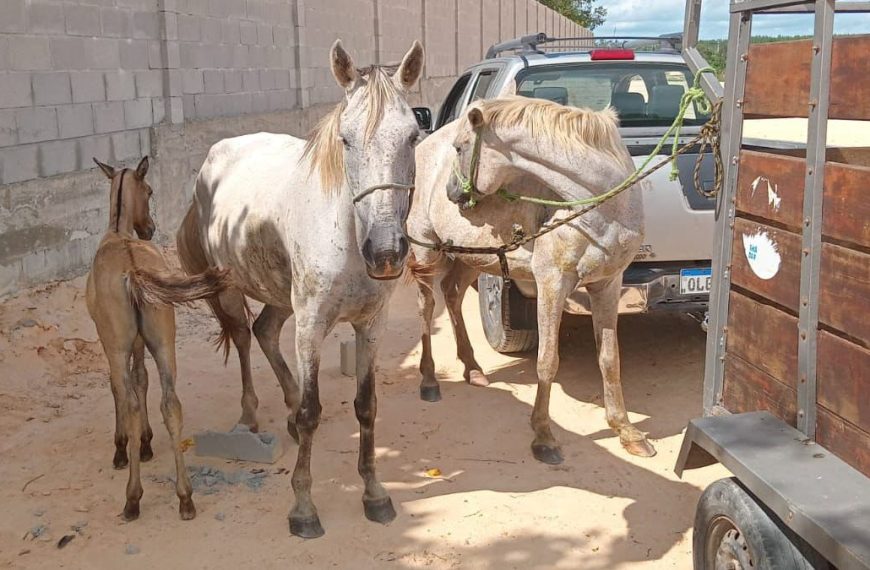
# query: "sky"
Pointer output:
{"type": "Point", "coordinates": [656, 17]}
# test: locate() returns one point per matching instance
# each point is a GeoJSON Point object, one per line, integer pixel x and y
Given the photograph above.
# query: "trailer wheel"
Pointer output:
{"type": "Point", "coordinates": [734, 532]}
{"type": "Point", "coordinates": [500, 336]}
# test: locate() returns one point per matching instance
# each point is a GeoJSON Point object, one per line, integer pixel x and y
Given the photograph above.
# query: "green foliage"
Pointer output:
{"type": "Point", "coordinates": [716, 51]}
{"type": "Point", "coordinates": [584, 12]}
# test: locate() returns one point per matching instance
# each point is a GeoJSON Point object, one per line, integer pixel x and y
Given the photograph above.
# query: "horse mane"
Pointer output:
{"type": "Point", "coordinates": [569, 128]}
{"type": "Point", "coordinates": [115, 197]}
{"type": "Point", "coordinates": [324, 147]}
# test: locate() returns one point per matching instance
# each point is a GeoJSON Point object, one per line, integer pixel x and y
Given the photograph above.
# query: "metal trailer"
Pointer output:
{"type": "Point", "coordinates": [787, 374]}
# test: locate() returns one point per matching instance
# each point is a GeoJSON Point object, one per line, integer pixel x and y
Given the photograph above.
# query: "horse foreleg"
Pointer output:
{"type": "Point", "coordinates": [453, 286]}
{"type": "Point", "coordinates": [159, 331]}
{"type": "Point", "coordinates": [376, 502]}
{"type": "Point", "coordinates": [310, 332]}
{"type": "Point", "coordinates": [553, 288]}
{"type": "Point", "coordinates": [430, 391]}
{"type": "Point", "coordinates": [605, 309]}
{"type": "Point", "coordinates": [140, 379]}
{"type": "Point", "coordinates": [267, 329]}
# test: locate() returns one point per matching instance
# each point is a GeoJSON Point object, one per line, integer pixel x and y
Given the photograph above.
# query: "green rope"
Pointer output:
{"type": "Point", "coordinates": [694, 94]}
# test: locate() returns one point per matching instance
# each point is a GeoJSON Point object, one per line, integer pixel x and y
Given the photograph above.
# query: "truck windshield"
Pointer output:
{"type": "Point", "coordinates": [643, 94]}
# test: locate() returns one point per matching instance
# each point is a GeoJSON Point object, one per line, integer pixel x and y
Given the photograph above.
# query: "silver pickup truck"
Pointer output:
{"type": "Point", "coordinates": [645, 85]}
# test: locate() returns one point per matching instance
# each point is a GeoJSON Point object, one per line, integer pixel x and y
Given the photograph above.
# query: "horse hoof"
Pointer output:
{"type": "Point", "coordinates": [291, 429]}
{"type": "Point", "coordinates": [478, 378]}
{"type": "Point", "coordinates": [547, 454]}
{"type": "Point", "coordinates": [120, 460]}
{"type": "Point", "coordinates": [186, 509]}
{"type": "Point", "coordinates": [306, 527]}
{"type": "Point", "coordinates": [131, 511]}
{"type": "Point", "coordinates": [145, 452]}
{"type": "Point", "coordinates": [380, 510]}
{"type": "Point", "coordinates": [640, 448]}
{"type": "Point", "coordinates": [430, 393]}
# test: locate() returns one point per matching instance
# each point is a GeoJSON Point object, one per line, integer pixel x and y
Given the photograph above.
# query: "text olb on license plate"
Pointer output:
{"type": "Point", "coordinates": [695, 281]}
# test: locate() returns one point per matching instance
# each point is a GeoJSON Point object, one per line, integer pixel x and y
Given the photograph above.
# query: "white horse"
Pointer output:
{"type": "Point", "coordinates": [544, 150]}
{"type": "Point", "coordinates": [313, 230]}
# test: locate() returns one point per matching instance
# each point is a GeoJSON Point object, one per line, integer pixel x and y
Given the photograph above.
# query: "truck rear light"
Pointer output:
{"type": "Point", "coordinates": [611, 54]}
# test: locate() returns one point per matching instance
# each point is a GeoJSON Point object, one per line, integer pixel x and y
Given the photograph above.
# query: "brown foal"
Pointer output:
{"type": "Point", "coordinates": [130, 293]}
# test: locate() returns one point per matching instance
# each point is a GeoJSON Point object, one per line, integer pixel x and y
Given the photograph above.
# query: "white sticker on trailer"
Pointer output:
{"type": "Point", "coordinates": [761, 253]}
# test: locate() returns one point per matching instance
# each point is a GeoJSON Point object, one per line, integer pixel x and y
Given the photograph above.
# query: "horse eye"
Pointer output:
{"type": "Point", "coordinates": [344, 142]}
{"type": "Point", "coordinates": [458, 148]}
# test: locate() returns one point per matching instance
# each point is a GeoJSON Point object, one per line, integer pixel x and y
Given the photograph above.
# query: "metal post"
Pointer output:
{"type": "Point", "coordinates": [820, 87]}
{"type": "Point", "coordinates": [732, 134]}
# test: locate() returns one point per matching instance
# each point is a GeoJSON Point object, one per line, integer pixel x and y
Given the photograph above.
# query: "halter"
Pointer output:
{"type": "Point", "coordinates": [388, 186]}
{"type": "Point", "coordinates": [469, 185]}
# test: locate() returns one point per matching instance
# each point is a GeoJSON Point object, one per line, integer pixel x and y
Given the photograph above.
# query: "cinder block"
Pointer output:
{"type": "Point", "coordinates": [251, 80]}
{"type": "Point", "coordinates": [88, 86]}
{"type": "Point", "coordinates": [137, 113]}
{"type": "Point", "coordinates": [230, 33]}
{"type": "Point", "coordinates": [15, 90]}
{"type": "Point", "coordinates": [75, 120]}
{"type": "Point", "coordinates": [5, 60]}
{"type": "Point", "coordinates": [219, 8]}
{"type": "Point", "coordinates": [45, 19]}
{"type": "Point", "coordinates": [57, 157]}
{"type": "Point", "coordinates": [158, 110]}
{"type": "Point", "coordinates": [125, 145]}
{"type": "Point", "coordinates": [120, 85]}
{"type": "Point", "coordinates": [348, 357]}
{"type": "Point", "coordinates": [239, 444]}
{"type": "Point", "coordinates": [149, 83]}
{"type": "Point", "coordinates": [51, 88]}
{"type": "Point", "coordinates": [30, 53]}
{"type": "Point", "coordinates": [188, 106]}
{"type": "Point", "coordinates": [189, 28]}
{"type": "Point", "coordinates": [8, 130]}
{"type": "Point", "coordinates": [213, 80]}
{"type": "Point", "coordinates": [146, 25]}
{"type": "Point", "coordinates": [82, 20]}
{"type": "Point", "coordinates": [103, 53]}
{"type": "Point", "coordinates": [36, 124]}
{"type": "Point", "coordinates": [99, 146]}
{"type": "Point", "coordinates": [211, 31]}
{"type": "Point", "coordinates": [232, 81]}
{"type": "Point", "coordinates": [248, 33]}
{"type": "Point", "coordinates": [134, 54]}
{"type": "Point", "coordinates": [145, 142]}
{"type": "Point", "coordinates": [117, 23]}
{"type": "Point", "coordinates": [12, 16]}
{"type": "Point", "coordinates": [69, 53]}
{"type": "Point", "coordinates": [108, 117]}
{"type": "Point", "coordinates": [259, 102]}
{"type": "Point", "coordinates": [264, 35]}
{"type": "Point", "coordinates": [191, 81]}
{"type": "Point", "coordinates": [18, 163]}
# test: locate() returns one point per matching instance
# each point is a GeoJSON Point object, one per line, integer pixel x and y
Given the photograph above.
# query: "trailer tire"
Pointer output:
{"type": "Point", "coordinates": [501, 336]}
{"type": "Point", "coordinates": [733, 528]}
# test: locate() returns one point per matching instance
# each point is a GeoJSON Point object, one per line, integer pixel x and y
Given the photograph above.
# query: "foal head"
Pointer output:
{"type": "Point", "coordinates": [367, 146]}
{"type": "Point", "coordinates": [128, 202]}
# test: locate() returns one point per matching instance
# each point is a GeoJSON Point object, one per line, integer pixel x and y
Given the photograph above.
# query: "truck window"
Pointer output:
{"type": "Point", "coordinates": [450, 109]}
{"type": "Point", "coordinates": [644, 95]}
{"type": "Point", "coordinates": [481, 85]}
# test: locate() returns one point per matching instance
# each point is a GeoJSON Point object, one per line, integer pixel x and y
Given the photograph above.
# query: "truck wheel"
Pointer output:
{"type": "Point", "coordinates": [733, 531]}
{"type": "Point", "coordinates": [501, 337]}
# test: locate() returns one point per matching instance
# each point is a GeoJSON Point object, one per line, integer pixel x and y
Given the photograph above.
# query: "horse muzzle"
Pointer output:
{"type": "Point", "coordinates": [386, 264]}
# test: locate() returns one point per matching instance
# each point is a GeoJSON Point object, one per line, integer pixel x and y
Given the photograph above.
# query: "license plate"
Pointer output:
{"type": "Point", "coordinates": [695, 281]}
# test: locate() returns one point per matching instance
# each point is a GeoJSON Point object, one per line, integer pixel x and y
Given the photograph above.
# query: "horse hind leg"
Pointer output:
{"type": "Point", "coordinates": [158, 328]}
{"type": "Point", "coordinates": [605, 308]}
{"type": "Point", "coordinates": [231, 310]}
{"type": "Point", "coordinates": [453, 287]}
{"type": "Point", "coordinates": [267, 329]}
{"type": "Point", "coordinates": [430, 391]}
{"type": "Point", "coordinates": [140, 379]}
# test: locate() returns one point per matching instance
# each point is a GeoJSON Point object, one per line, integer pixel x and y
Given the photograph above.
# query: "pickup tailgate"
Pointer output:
{"type": "Point", "coordinates": [678, 220]}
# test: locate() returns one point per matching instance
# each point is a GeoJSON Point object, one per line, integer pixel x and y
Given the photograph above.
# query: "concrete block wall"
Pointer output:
{"type": "Point", "coordinates": [118, 79]}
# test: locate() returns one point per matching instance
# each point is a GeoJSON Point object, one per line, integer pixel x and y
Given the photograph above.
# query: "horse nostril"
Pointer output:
{"type": "Point", "coordinates": [367, 252]}
{"type": "Point", "coordinates": [403, 247]}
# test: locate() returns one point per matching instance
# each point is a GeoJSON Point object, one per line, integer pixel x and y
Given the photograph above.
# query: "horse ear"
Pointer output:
{"type": "Point", "coordinates": [107, 170]}
{"type": "Point", "coordinates": [342, 66]}
{"type": "Point", "coordinates": [411, 67]}
{"type": "Point", "coordinates": [142, 169]}
{"type": "Point", "coordinates": [475, 117]}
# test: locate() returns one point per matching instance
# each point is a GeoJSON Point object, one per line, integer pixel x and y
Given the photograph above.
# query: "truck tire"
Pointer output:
{"type": "Point", "coordinates": [733, 530]}
{"type": "Point", "coordinates": [500, 336]}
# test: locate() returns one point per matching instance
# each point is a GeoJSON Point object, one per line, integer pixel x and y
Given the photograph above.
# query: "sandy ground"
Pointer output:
{"type": "Point", "coordinates": [494, 507]}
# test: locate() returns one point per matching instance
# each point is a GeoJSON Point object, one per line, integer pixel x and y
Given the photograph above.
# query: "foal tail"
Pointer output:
{"type": "Point", "coordinates": [194, 261]}
{"type": "Point", "coordinates": [172, 288]}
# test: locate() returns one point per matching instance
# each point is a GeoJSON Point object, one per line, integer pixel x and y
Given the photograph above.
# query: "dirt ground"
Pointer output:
{"type": "Point", "coordinates": [493, 506]}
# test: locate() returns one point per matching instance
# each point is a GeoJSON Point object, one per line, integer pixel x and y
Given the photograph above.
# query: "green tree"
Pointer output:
{"type": "Point", "coordinates": [584, 12]}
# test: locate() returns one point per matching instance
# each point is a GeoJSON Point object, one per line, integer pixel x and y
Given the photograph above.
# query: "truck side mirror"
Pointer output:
{"type": "Point", "coordinates": [424, 118]}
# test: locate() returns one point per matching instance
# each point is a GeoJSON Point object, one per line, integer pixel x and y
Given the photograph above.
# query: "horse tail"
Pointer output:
{"type": "Point", "coordinates": [173, 288]}
{"type": "Point", "coordinates": [419, 271]}
{"type": "Point", "coordinates": [193, 261]}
